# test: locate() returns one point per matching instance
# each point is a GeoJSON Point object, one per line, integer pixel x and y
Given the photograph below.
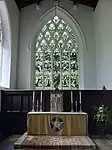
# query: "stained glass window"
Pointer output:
{"type": "Point", "coordinates": [56, 56]}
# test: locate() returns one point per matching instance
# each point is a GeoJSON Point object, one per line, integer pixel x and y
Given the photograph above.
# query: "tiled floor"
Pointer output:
{"type": "Point", "coordinates": [8, 144]}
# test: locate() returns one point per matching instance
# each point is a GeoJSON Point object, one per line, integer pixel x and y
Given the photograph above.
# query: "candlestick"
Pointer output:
{"type": "Point", "coordinates": [33, 101]}
{"type": "Point", "coordinates": [80, 102]}
{"type": "Point", "coordinates": [41, 101]}
{"type": "Point", "coordinates": [76, 106]}
{"type": "Point", "coordinates": [80, 96]}
{"type": "Point", "coordinates": [37, 106]}
{"type": "Point", "coordinates": [72, 101]}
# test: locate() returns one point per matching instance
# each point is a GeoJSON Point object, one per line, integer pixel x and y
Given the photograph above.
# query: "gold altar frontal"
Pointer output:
{"type": "Point", "coordinates": [69, 123]}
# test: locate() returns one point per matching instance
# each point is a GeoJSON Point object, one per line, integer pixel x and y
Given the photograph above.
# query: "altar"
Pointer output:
{"type": "Point", "coordinates": [57, 123]}
{"type": "Point", "coordinates": [56, 129]}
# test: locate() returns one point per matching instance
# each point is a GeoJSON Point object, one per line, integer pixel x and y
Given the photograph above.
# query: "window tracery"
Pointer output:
{"type": "Point", "coordinates": [56, 56]}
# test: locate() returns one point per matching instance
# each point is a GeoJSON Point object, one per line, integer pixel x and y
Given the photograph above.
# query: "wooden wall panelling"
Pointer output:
{"type": "Point", "coordinates": [67, 101]}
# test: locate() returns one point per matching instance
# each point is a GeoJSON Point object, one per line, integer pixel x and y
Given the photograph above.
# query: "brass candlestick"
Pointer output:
{"type": "Point", "coordinates": [41, 101]}
{"type": "Point", "coordinates": [37, 106]}
{"type": "Point", "coordinates": [76, 106]}
{"type": "Point", "coordinates": [80, 102]}
{"type": "Point", "coordinates": [33, 101]}
{"type": "Point", "coordinates": [72, 101]}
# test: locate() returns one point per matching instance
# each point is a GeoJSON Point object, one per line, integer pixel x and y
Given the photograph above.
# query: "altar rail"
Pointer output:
{"type": "Point", "coordinates": [19, 102]}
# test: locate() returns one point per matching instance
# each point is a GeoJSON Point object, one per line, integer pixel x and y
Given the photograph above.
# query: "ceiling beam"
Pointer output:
{"type": "Point", "coordinates": [24, 3]}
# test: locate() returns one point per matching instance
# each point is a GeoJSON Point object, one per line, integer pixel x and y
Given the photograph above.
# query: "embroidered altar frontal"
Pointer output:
{"type": "Point", "coordinates": [57, 123]}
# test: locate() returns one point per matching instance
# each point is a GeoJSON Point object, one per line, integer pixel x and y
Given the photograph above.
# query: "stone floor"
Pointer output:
{"type": "Point", "coordinates": [9, 142]}
{"type": "Point", "coordinates": [102, 144]}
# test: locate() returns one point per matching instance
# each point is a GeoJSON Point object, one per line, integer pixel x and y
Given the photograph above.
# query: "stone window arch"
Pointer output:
{"type": "Point", "coordinates": [75, 38]}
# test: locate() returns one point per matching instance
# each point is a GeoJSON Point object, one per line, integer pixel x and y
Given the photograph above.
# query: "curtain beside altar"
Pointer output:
{"type": "Point", "coordinates": [68, 124]}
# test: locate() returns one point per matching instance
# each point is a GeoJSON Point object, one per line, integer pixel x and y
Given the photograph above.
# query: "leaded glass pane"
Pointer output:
{"type": "Point", "coordinates": [74, 79]}
{"type": "Point", "coordinates": [56, 56]}
{"type": "Point", "coordinates": [52, 44]}
{"type": "Point", "coordinates": [65, 66]}
{"type": "Point", "coordinates": [56, 75]}
{"type": "Point", "coordinates": [39, 79]}
{"type": "Point", "coordinates": [56, 36]}
{"type": "Point", "coordinates": [65, 36]}
{"type": "Point", "coordinates": [60, 27]}
{"type": "Point", "coordinates": [70, 44]}
{"type": "Point", "coordinates": [65, 80]}
{"type": "Point", "coordinates": [60, 44]}
{"type": "Point", "coordinates": [52, 27]}
{"type": "Point", "coordinates": [43, 44]}
{"type": "Point", "coordinates": [68, 29]}
{"type": "Point", "coordinates": [47, 35]}
{"type": "Point", "coordinates": [44, 28]}
{"type": "Point", "coordinates": [56, 20]}
{"type": "Point", "coordinates": [40, 37]}
{"type": "Point", "coordinates": [47, 79]}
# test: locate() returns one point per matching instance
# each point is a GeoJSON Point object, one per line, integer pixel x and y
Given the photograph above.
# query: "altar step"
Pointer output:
{"type": "Point", "coordinates": [54, 142]}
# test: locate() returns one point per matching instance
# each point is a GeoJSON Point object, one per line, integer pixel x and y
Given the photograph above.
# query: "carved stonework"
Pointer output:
{"type": "Point", "coordinates": [56, 102]}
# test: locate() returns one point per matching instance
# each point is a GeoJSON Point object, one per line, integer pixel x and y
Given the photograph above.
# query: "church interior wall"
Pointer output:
{"type": "Point", "coordinates": [103, 38]}
{"type": "Point", "coordinates": [95, 25]}
{"type": "Point", "coordinates": [5, 62]}
{"type": "Point", "coordinates": [29, 17]}
{"type": "Point", "coordinates": [14, 23]}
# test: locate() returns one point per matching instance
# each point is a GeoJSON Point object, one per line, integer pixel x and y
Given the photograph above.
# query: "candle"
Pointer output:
{"type": "Point", "coordinates": [76, 105]}
{"type": "Point", "coordinates": [41, 101]}
{"type": "Point", "coordinates": [80, 103]}
{"type": "Point", "coordinates": [71, 97]}
{"type": "Point", "coordinates": [41, 97]}
{"type": "Point", "coordinates": [80, 96]}
{"type": "Point", "coordinates": [33, 96]}
{"type": "Point", "coordinates": [37, 105]}
{"type": "Point", "coordinates": [72, 101]}
{"type": "Point", "coordinates": [33, 100]}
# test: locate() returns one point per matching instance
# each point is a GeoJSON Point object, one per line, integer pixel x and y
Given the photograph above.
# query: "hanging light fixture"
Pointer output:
{"type": "Point", "coordinates": [75, 5]}
{"type": "Point", "coordinates": [56, 3]}
{"type": "Point", "coordinates": [38, 4]}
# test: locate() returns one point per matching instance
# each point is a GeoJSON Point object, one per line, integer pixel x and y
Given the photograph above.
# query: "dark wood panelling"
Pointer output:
{"type": "Point", "coordinates": [67, 101]}
{"type": "Point", "coordinates": [16, 105]}
{"type": "Point", "coordinates": [46, 100]}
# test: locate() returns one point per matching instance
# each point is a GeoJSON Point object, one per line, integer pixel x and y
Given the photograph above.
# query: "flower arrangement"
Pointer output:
{"type": "Point", "coordinates": [100, 115]}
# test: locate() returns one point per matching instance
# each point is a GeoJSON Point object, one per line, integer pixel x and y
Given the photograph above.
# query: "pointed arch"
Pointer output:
{"type": "Point", "coordinates": [6, 46]}
{"type": "Point", "coordinates": [73, 24]}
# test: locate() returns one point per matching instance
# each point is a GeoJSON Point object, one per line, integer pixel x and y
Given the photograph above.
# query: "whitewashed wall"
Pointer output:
{"type": "Point", "coordinates": [103, 36]}
{"type": "Point", "coordinates": [29, 17]}
{"type": "Point", "coordinates": [14, 22]}
{"type": "Point", "coordinates": [6, 47]}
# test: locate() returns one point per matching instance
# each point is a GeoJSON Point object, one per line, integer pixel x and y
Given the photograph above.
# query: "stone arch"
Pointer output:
{"type": "Point", "coordinates": [74, 25]}
{"type": "Point", "coordinates": [6, 46]}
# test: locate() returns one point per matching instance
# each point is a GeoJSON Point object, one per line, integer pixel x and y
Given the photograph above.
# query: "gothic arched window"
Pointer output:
{"type": "Point", "coordinates": [56, 56]}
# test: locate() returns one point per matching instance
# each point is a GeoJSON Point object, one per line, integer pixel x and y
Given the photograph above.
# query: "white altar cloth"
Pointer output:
{"type": "Point", "coordinates": [61, 113]}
